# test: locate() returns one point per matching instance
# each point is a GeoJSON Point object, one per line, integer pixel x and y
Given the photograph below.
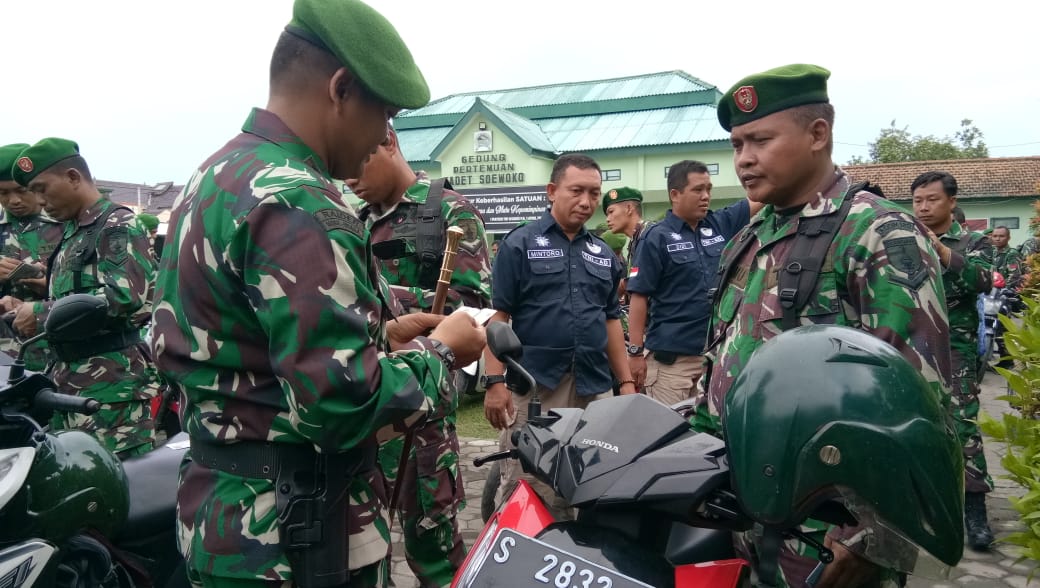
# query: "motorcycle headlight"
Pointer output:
{"type": "Point", "coordinates": [14, 467]}
{"type": "Point", "coordinates": [991, 305]}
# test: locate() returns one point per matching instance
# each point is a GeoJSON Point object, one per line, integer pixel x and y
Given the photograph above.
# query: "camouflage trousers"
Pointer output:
{"type": "Point", "coordinates": [124, 428]}
{"type": "Point", "coordinates": [430, 498]}
{"type": "Point", "coordinates": [375, 575]}
{"type": "Point", "coordinates": [964, 407]}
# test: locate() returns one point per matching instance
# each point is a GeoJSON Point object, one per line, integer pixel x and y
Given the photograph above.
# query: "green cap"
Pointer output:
{"type": "Point", "coordinates": [8, 155]}
{"type": "Point", "coordinates": [615, 241]}
{"type": "Point", "coordinates": [367, 44]}
{"type": "Point", "coordinates": [37, 158]}
{"type": "Point", "coordinates": [620, 195]}
{"type": "Point", "coordinates": [150, 221]}
{"type": "Point", "coordinates": [759, 95]}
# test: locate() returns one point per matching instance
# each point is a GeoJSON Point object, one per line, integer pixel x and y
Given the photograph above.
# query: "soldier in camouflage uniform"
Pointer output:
{"type": "Point", "coordinates": [104, 251]}
{"type": "Point", "coordinates": [26, 237]}
{"type": "Point", "coordinates": [1006, 259]}
{"type": "Point", "coordinates": [432, 491]}
{"type": "Point", "coordinates": [270, 318]}
{"type": "Point", "coordinates": [623, 208]}
{"type": "Point", "coordinates": [967, 264]}
{"type": "Point", "coordinates": [879, 272]}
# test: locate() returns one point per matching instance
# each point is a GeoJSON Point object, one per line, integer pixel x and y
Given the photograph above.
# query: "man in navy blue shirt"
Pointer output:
{"type": "Point", "coordinates": [671, 274]}
{"type": "Point", "coordinates": [559, 285]}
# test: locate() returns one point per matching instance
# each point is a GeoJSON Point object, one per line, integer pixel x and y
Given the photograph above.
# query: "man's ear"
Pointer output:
{"type": "Point", "coordinates": [73, 176]}
{"type": "Point", "coordinates": [341, 85]}
{"type": "Point", "coordinates": [550, 192]}
{"type": "Point", "coordinates": [821, 134]}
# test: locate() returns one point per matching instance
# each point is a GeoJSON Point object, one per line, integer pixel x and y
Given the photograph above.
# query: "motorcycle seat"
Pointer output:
{"type": "Point", "coordinates": [152, 478]}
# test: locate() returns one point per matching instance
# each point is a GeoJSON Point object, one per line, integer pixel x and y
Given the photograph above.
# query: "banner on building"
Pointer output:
{"type": "Point", "coordinates": [505, 208]}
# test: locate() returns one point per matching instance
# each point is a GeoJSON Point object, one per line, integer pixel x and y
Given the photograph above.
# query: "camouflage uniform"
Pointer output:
{"type": "Point", "coordinates": [1029, 247]}
{"type": "Point", "coordinates": [881, 275]}
{"type": "Point", "coordinates": [433, 491]}
{"type": "Point", "coordinates": [970, 273]}
{"type": "Point", "coordinates": [1009, 262]}
{"type": "Point", "coordinates": [112, 261]}
{"type": "Point", "coordinates": [270, 318]}
{"type": "Point", "coordinates": [31, 240]}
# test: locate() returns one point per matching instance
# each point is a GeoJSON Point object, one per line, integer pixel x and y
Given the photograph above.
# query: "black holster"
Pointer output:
{"type": "Point", "coordinates": [312, 497]}
{"type": "Point", "coordinates": [666, 357]}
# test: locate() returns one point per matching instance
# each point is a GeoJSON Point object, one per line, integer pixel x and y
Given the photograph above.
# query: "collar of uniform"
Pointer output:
{"type": "Point", "coordinates": [92, 212]}
{"type": "Point", "coordinates": [828, 199]}
{"type": "Point", "coordinates": [417, 194]}
{"type": "Point", "coordinates": [954, 232]}
{"type": "Point", "coordinates": [547, 223]}
{"type": "Point", "coordinates": [676, 224]}
{"type": "Point", "coordinates": [266, 125]}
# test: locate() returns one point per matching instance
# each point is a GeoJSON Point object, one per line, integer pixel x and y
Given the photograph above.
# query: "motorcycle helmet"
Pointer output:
{"type": "Point", "coordinates": [825, 413]}
{"type": "Point", "coordinates": [74, 484]}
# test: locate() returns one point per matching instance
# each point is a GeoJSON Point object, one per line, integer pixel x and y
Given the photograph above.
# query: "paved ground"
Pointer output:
{"type": "Point", "coordinates": [982, 570]}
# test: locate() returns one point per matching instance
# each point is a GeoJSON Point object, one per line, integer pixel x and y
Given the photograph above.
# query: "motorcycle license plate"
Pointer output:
{"type": "Point", "coordinates": [518, 560]}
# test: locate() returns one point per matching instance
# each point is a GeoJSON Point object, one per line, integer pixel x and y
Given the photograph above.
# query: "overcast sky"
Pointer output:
{"type": "Point", "coordinates": [148, 89]}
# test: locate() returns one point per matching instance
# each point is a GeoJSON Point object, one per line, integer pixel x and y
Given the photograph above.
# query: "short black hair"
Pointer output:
{"type": "Point", "coordinates": [578, 160]}
{"type": "Point", "coordinates": [75, 162]}
{"type": "Point", "coordinates": [958, 215]}
{"type": "Point", "coordinates": [1003, 227]}
{"type": "Point", "coordinates": [296, 60]}
{"type": "Point", "coordinates": [679, 173]}
{"type": "Point", "coordinates": [807, 113]}
{"type": "Point", "coordinates": [949, 183]}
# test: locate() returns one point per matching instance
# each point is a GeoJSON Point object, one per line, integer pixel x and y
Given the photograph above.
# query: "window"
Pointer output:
{"type": "Point", "coordinates": [610, 175]}
{"type": "Point", "coordinates": [713, 169]}
{"type": "Point", "coordinates": [1010, 222]}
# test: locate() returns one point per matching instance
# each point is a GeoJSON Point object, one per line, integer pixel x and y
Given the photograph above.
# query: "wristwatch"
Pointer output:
{"type": "Point", "coordinates": [635, 349]}
{"type": "Point", "coordinates": [447, 355]}
{"type": "Point", "coordinates": [489, 381]}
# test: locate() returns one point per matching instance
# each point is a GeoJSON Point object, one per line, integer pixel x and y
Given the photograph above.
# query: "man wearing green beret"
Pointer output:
{"type": "Point", "coordinates": [623, 208]}
{"type": "Point", "coordinates": [272, 321]}
{"type": "Point", "coordinates": [104, 252]}
{"type": "Point", "coordinates": [27, 239]}
{"type": "Point", "coordinates": [821, 251]}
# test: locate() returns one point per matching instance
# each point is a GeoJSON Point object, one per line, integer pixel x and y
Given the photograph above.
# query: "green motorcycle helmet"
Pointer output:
{"type": "Point", "coordinates": [74, 484]}
{"type": "Point", "coordinates": [825, 413]}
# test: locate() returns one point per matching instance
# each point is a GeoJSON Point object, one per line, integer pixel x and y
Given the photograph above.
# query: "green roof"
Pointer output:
{"type": "Point", "coordinates": [652, 110]}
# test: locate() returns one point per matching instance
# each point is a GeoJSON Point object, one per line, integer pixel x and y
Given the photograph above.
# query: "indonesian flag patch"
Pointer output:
{"type": "Point", "coordinates": [633, 272]}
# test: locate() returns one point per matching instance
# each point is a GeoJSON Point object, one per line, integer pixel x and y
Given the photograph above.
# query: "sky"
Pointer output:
{"type": "Point", "coordinates": [149, 89]}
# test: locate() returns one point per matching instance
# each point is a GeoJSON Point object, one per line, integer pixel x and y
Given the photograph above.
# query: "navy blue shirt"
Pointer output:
{"type": "Point", "coordinates": [560, 294]}
{"type": "Point", "coordinates": [675, 266]}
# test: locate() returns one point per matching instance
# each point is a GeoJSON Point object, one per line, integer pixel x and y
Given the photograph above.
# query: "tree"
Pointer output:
{"type": "Point", "coordinates": [894, 145]}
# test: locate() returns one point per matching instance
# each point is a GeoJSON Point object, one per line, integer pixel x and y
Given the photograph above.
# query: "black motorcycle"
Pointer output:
{"type": "Point", "coordinates": [71, 514]}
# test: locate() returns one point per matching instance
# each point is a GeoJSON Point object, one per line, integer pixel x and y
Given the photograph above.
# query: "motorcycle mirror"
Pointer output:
{"type": "Point", "coordinates": [76, 317]}
{"type": "Point", "coordinates": [503, 342]}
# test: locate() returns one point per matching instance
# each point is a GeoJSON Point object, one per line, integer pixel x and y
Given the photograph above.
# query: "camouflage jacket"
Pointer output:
{"type": "Point", "coordinates": [31, 240]}
{"type": "Point", "coordinates": [471, 281]}
{"type": "Point", "coordinates": [970, 273]}
{"type": "Point", "coordinates": [1010, 264]}
{"type": "Point", "coordinates": [881, 275]}
{"type": "Point", "coordinates": [270, 319]}
{"type": "Point", "coordinates": [114, 262]}
{"type": "Point", "coordinates": [1029, 247]}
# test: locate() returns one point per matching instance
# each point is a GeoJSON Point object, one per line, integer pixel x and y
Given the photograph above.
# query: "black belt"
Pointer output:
{"type": "Point", "coordinates": [103, 343]}
{"type": "Point", "coordinates": [263, 460]}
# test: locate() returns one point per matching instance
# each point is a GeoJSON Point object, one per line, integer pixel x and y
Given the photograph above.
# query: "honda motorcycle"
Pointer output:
{"type": "Point", "coordinates": [71, 514]}
{"type": "Point", "coordinates": [998, 301]}
{"type": "Point", "coordinates": [657, 503]}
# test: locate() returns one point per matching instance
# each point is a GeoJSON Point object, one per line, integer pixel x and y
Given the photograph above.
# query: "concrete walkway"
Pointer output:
{"type": "Point", "coordinates": [982, 570]}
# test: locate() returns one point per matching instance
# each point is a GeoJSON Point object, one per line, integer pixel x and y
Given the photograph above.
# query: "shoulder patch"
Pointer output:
{"type": "Point", "coordinates": [470, 230]}
{"type": "Point", "coordinates": [116, 240]}
{"type": "Point", "coordinates": [894, 225]}
{"type": "Point", "coordinates": [904, 256]}
{"type": "Point", "coordinates": [337, 220]}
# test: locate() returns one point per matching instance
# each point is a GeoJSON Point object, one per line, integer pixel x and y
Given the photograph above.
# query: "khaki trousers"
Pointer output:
{"type": "Point", "coordinates": [673, 383]}
{"type": "Point", "coordinates": [565, 395]}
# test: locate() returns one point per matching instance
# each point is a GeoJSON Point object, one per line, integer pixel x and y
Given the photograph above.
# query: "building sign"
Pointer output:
{"type": "Point", "coordinates": [505, 208]}
{"type": "Point", "coordinates": [484, 170]}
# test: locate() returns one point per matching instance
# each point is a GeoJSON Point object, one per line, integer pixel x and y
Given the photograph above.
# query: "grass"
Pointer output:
{"type": "Point", "coordinates": [471, 420]}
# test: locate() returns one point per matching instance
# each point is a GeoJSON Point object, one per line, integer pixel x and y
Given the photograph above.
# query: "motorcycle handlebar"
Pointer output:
{"type": "Point", "coordinates": [52, 400]}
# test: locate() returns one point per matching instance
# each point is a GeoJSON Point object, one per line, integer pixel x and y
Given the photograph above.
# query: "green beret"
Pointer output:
{"type": "Point", "coordinates": [8, 155]}
{"type": "Point", "coordinates": [620, 195]}
{"type": "Point", "coordinates": [367, 44]}
{"type": "Point", "coordinates": [762, 94]}
{"type": "Point", "coordinates": [38, 158]}
{"type": "Point", "coordinates": [150, 221]}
